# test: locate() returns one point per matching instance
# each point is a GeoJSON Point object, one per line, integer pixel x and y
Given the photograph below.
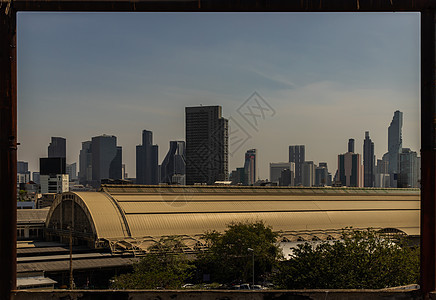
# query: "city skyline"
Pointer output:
{"type": "Point", "coordinates": [334, 78]}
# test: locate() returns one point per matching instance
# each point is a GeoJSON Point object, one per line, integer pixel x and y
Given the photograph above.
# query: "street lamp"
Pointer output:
{"type": "Point", "coordinates": [252, 252]}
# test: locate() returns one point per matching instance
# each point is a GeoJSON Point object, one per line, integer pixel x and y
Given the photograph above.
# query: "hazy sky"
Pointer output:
{"type": "Point", "coordinates": [325, 78]}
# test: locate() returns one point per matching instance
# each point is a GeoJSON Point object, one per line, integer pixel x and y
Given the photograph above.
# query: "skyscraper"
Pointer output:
{"type": "Point", "coordinates": [308, 173]}
{"type": "Point", "coordinates": [238, 176]}
{"type": "Point", "coordinates": [351, 145]}
{"type": "Point", "coordinates": [297, 156]}
{"type": "Point", "coordinates": [147, 160]}
{"type": "Point", "coordinates": [106, 158]}
{"type": "Point", "coordinates": [85, 163]}
{"type": "Point", "coordinates": [55, 183]}
{"type": "Point", "coordinates": [206, 145]}
{"type": "Point", "coordinates": [71, 170]}
{"type": "Point", "coordinates": [250, 166]}
{"type": "Point", "coordinates": [174, 163]}
{"type": "Point", "coordinates": [350, 169]}
{"type": "Point", "coordinates": [275, 170]}
{"type": "Point", "coordinates": [57, 147]}
{"type": "Point", "coordinates": [409, 169]}
{"type": "Point", "coordinates": [52, 165]}
{"type": "Point", "coordinates": [322, 175]}
{"type": "Point", "coordinates": [395, 144]}
{"type": "Point", "coordinates": [116, 165]}
{"type": "Point", "coordinates": [53, 175]}
{"type": "Point", "coordinates": [368, 161]}
{"type": "Point", "coordinates": [286, 178]}
{"type": "Point", "coordinates": [23, 173]}
{"type": "Point", "coordinates": [22, 167]}
{"type": "Point", "coordinates": [382, 177]}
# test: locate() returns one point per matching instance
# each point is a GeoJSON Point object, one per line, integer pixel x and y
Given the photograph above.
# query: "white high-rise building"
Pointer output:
{"type": "Point", "coordinates": [58, 183]}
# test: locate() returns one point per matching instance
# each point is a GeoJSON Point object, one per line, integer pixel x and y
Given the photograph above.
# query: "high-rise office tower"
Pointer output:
{"type": "Point", "coordinates": [52, 165]}
{"type": "Point", "coordinates": [409, 169]}
{"type": "Point", "coordinates": [286, 178]}
{"type": "Point", "coordinates": [173, 164]}
{"type": "Point", "coordinates": [308, 173]}
{"type": "Point", "coordinates": [395, 144]}
{"type": "Point", "coordinates": [116, 165]}
{"type": "Point", "coordinates": [250, 166]}
{"type": "Point", "coordinates": [53, 175]}
{"type": "Point", "coordinates": [382, 166]}
{"type": "Point", "coordinates": [350, 169]}
{"type": "Point", "coordinates": [275, 170]}
{"type": "Point", "coordinates": [147, 163]}
{"type": "Point", "coordinates": [85, 163]}
{"type": "Point", "coordinates": [206, 145]}
{"type": "Point", "coordinates": [368, 161]}
{"type": "Point", "coordinates": [106, 158]}
{"type": "Point", "coordinates": [54, 183]}
{"type": "Point", "coordinates": [322, 175]}
{"type": "Point", "coordinates": [297, 156]}
{"type": "Point", "coordinates": [23, 173]}
{"type": "Point", "coordinates": [238, 176]}
{"type": "Point", "coordinates": [57, 147]}
{"type": "Point", "coordinates": [382, 177]}
{"type": "Point", "coordinates": [71, 170]}
{"type": "Point", "coordinates": [22, 167]}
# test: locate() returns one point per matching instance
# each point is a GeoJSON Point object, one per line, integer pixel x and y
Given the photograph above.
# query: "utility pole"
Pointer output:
{"type": "Point", "coordinates": [71, 259]}
{"type": "Point", "coordinates": [252, 252]}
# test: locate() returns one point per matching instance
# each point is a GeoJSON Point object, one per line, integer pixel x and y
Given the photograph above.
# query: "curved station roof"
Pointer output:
{"type": "Point", "coordinates": [143, 214]}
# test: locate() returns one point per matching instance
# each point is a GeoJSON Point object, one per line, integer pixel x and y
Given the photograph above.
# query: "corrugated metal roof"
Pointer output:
{"type": "Point", "coordinates": [34, 281]}
{"type": "Point", "coordinates": [32, 215]}
{"type": "Point", "coordinates": [155, 211]}
{"type": "Point", "coordinates": [64, 265]}
{"type": "Point", "coordinates": [108, 220]}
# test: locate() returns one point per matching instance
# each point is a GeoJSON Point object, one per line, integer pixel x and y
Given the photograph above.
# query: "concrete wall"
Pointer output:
{"type": "Point", "coordinates": [219, 295]}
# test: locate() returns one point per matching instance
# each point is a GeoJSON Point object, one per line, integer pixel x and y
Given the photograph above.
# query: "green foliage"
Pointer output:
{"type": "Point", "coordinates": [363, 259]}
{"type": "Point", "coordinates": [164, 266]}
{"type": "Point", "coordinates": [228, 258]}
{"type": "Point", "coordinates": [22, 195]}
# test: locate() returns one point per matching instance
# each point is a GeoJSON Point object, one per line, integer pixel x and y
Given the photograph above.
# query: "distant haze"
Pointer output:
{"type": "Point", "coordinates": [328, 77]}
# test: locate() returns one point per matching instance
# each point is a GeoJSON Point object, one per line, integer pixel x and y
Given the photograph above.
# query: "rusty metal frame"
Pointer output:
{"type": "Point", "coordinates": [8, 98]}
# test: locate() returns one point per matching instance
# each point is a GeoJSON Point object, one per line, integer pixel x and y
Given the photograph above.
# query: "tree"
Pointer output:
{"type": "Point", "coordinates": [228, 258]}
{"type": "Point", "coordinates": [362, 259]}
{"type": "Point", "coordinates": [164, 265]}
{"type": "Point", "coordinates": [22, 195]}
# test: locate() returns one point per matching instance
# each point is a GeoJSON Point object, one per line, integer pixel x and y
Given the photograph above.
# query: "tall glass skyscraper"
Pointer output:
{"type": "Point", "coordinates": [395, 144]}
{"type": "Point", "coordinates": [106, 158]}
{"type": "Point", "coordinates": [297, 156]}
{"type": "Point", "coordinates": [368, 161]}
{"type": "Point", "coordinates": [57, 147]}
{"type": "Point", "coordinates": [85, 163]}
{"type": "Point", "coordinates": [350, 171]}
{"type": "Point", "coordinates": [173, 164]}
{"type": "Point", "coordinates": [250, 167]}
{"type": "Point", "coordinates": [206, 145]}
{"type": "Point", "coordinates": [147, 164]}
